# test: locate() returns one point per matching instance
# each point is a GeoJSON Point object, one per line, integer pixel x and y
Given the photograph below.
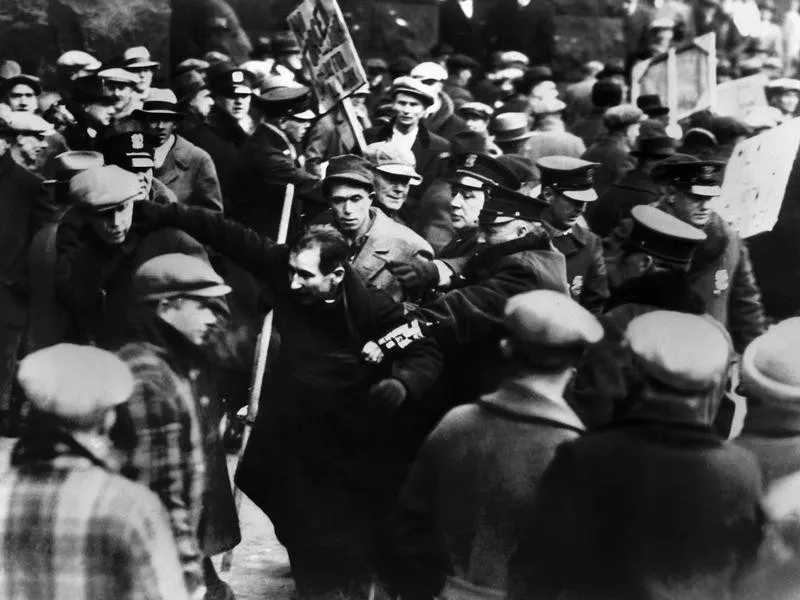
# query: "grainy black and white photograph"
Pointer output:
{"type": "Point", "coordinates": [399, 299]}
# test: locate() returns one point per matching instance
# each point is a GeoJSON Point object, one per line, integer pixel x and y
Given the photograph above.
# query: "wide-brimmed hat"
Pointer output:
{"type": "Point", "coordinates": [651, 105]}
{"type": "Point", "coordinates": [160, 103]}
{"type": "Point", "coordinates": [138, 58]}
{"type": "Point", "coordinates": [654, 146]}
{"type": "Point", "coordinates": [510, 127]}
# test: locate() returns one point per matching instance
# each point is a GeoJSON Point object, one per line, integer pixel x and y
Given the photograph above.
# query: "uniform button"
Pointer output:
{"type": "Point", "coordinates": [205, 400]}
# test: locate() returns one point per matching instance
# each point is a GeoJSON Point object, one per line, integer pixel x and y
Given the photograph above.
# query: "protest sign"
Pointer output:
{"type": "Point", "coordinates": [685, 77]}
{"type": "Point", "coordinates": [738, 97]}
{"type": "Point", "coordinates": [756, 178]}
{"type": "Point", "coordinates": [328, 51]}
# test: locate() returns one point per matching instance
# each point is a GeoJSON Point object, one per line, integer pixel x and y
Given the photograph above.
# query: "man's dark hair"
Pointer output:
{"type": "Point", "coordinates": [333, 248]}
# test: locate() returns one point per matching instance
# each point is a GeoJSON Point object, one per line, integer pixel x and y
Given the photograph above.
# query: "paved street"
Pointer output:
{"type": "Point", "coordinates": [260, 567]}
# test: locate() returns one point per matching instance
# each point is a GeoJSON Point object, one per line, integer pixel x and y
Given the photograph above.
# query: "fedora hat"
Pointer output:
{"type": "Point", "coordinates": [651, 105]}
{"type": "Point", "coordinates": [656, 145]}
{"type": "Point", "coordinates": [510, 127]}
{"type": "Point", "coordinates": [160, 103]}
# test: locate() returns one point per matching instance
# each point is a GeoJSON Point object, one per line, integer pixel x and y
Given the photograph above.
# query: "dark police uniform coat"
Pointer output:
{"type": "Point", "coordinates": [721, 275]}
{"type": "Point", "coordinates": [467, 499]}
{"type": "Point", "coordinates": [586, 267]}
{"type": "Point", "coordinates": [639, 509]}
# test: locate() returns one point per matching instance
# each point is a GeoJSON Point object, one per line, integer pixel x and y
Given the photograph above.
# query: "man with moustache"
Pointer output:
{"type": "Point", "coordinates": [180, 165]}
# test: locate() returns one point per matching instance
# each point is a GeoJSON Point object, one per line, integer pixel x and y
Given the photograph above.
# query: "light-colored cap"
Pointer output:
{"type": "Point", "coordinates": [623, 115]}
{"type": "Point", "coordinates": [390, 158]}
{"type": "Point", "coordinates": [25, 122]}
{"type": "Point", "coordinates": [177, 275]}
{"type": "Point", "coordinates": [102, 188]}
{"type": "Point", "coordinates": [138, 57]}
{"type": "Point", "coordinates": [76, 384]}
{"type": "Point", "coordinates": [118, 75]}
{"type": "Point", "coordinates": [429, 70]}
{"type": "Point", "coordinates": [548, 106]}
{"type": "Point", "coordinates": [413, 87]}
{"type": "Point", "coordinates": [78, 60]}
{"type": "Point", "coordinates": [662, 23]}
{"type": "Point", "coordinates": [784, 84]}
{"type": "Point", "coordinates": [771, 364]}
{"type": "Point", "coordinates": [686, 352]}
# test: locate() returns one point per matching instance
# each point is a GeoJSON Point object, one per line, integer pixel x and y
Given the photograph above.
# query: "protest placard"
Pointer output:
{"type": "Point", "coordinates": [756, 178]}
{"type": "Point", "coordinates": [685, 77]}
{"type": "Point", "coordinates": [738, 97]}
{"type": "Point", "coordinates": [328, 51]}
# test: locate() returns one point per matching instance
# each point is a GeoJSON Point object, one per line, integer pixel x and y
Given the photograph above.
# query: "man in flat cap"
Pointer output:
{"type": "Point", "coordinates": [30, 133]}
{"type": "Point", "coordinates": [270, 160]}
{"type": "Point", "coordinates": [322, 461]}
{"type": "Point", "coordinates": [635, 187]}
{"type": "Point", "coordinates": [568, 188]}
{"type": "Point", "coordinates": [465, 505]}
{"type": "Point", "coordinates": [410, 101]}
{"type": "Point", "coordinates": [106, 537]}
{"type": "Point", "coordinates": [588, 536]}
{"type": "Point", "coordinates": [121, 84]}
{"type": "Point", "coordinates": [377, 242]}
{"type": "Point", "coordinates": [476, 117]}
{"type": "Point", "coordinates": [173, 417]}
{"type": "Point", "coordinates": [98, 255]}
{"type": "Point", "coordinates": [613, 149]}
{"type": "Point", "coordinates": [721, 272]}
{"type": "Point", "coordinates": [441, 118]}
{"type": "Point", "coordinates": [184, 168]}
{"type": "Point", "coordinates": [25, 208]}
{"type": "Point", "coordinates": [395, 175]}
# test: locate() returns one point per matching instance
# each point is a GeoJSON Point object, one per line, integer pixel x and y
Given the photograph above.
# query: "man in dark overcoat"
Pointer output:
{"type": "Point", "coordinates": [656, 505]}
{"type": "Point", "coordinates": [467, 498]}
{"type": "Point", "coordinates": [322, 460]}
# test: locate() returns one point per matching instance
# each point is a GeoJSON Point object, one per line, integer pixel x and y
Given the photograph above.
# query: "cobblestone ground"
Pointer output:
{"type": "Point", "coordinates": [260, 569]}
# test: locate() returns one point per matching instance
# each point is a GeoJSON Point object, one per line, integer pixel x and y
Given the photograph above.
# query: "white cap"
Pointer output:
{"type": "Point", "coordinates": [429, 70]}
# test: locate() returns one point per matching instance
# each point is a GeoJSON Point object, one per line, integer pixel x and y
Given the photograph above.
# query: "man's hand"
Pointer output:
{"type": "Point", "coordinates": [415, 275]}
{"type": "Point", "coordinates": [387, 395]}
{"type": "Point", "coordinates": [372, 353]}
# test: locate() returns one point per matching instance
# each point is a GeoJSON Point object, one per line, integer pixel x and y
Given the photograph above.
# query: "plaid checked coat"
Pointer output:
{"type": "Point", "coordinates": [168, 454]}
{"type": "Point", "coordinates": [71, 530]}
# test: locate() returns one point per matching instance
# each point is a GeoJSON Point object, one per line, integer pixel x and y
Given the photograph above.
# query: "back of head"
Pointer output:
{"type": "Point", "coordinates": [606, 94]}
{"type": "Point", "coordinates": [334, 251]}
{"type": "Point", "coordinates": [771, 366]}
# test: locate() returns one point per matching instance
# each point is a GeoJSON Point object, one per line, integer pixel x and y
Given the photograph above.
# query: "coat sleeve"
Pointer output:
{"type": "Point", "coordinates": [319, 144]}
{"type": "Point", "coordinates": [418, 366]}
{"type": "Point", "coordinates": [595, 288]}
{"type": "Point", "coordinates": [206, 192]}
{"type": "Point", "coordinates": [253, 252]}
{"type": "Point", "coordinates": [468, 313]}
{"type": "Point", "coordinates": [745, 312]}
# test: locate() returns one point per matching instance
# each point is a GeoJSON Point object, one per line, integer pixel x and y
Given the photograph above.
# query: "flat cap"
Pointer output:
{"type": "Point", "coordinates": [176, 275]}
{"type": "Point", "coordinates": [683, 351]}
{"type": "Point", "coordinates": [349, 167]}
{"type": "Point", "coordinates": [476, 171]}
{"type": "Point", "coordinates": [190, 64]}
{"type": "Point", "coordinates": [572, 177]}
{"type": "Point", "coordinates": [70, 163]}
{"type": "Point", "coordinates": [102, 188]}
{"type": "Point", "coordinates": [78, 62]}
{"type": "Point", "coordinates": [118, 75]}
{"type": "Point", "coordinates": [413, 87]}
{"type": "Point", "coordinates": [622, 116]}
{"type": "Point", "coordinates": [549, 328]}
{"type": "Point", "coordinates": [504, 205]}
{"type": "Point", "coordinates": [25, 122]}
{"type": "Point", "coordinates": [376, 64]}
{"type": "Point", "coordinates": [510, 127]}
{"type": "Point", "coordinates": [289, 101]}
{"type": "Point", "coordinates": [457, 62]}
{"type": "Point", "coordinates": [429, 70]}
{"type": "Point", "coordinates": [230, 82]}
{"type": "Point", "coordinates": [475, 110]}
{"type": "Point", "coordinates": [699, 178]}
{"type": "Point", "coordinates": [513, 58]}
{"type": "Point", "coordinates": [130, 150]}
{"type": "Point", "coordinates": [771, 364]}
{"type": "Point", "coordinates": [393, 159]}
{"type": "Point", "coordinates": [75, 384]}
{"type": "Point", "coordinates": [662, 23]}
{"type": "Point", "coordinates": [664, 237]}
{"type": "Point", "coordinates": [138, 58]}
{"type": "Point", "coordinates": [784, 84]}
{"type": "Point", "coordinates": [548, 106]}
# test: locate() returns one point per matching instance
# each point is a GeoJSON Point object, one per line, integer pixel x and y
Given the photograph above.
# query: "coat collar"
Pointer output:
{"type": "Point", "coordinates": [178, 159]}
{"type": "Point", "coordinates": [423, 136]}
{"type": "Point", "coordinates": [516, 400]}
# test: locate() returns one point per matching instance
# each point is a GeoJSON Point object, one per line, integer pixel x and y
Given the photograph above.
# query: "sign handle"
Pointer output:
{"type": "Point", "coordinates": [672, 85]}
{"type": "Point", "coordinates": [358, 131]}
{"type": "Point", "coordinates": [259, 369]}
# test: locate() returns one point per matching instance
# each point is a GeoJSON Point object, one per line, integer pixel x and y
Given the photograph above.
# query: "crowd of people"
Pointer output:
{"type": "Point", "coordinates": [515, 353]}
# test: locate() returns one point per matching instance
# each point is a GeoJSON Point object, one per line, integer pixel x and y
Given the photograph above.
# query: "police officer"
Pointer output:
{"type": "Point", "coordinates": [721, 272]}
{"type": "Point", "coordinates": [134, 151]}
{"type": "Point", "coordinates": [229, 118]}
{"type": "Point", "coordinates": [568, 187]}
{"type": "Point", "coordinates": [271, 159]}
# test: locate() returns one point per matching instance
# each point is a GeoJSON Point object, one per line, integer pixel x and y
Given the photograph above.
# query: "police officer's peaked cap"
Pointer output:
{"type": "Point", "coordinates": [699, 178]}
{"type": "Point", "coordinates": [664, 237]}
{"type": "Point", "coordinates": [504, 205]}
{"type": "Point", "coordinates": [573, 177]}
{"type": "Point", "coordinates": [479, 170]}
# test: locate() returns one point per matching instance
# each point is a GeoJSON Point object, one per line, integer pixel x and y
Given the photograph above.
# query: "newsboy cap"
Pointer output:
{"type": "Point", "coordinates": [429, 70]}
{"type": "Point", "coordinates": [75, 384]}
{"type": "Point", "coordinates": [349, 168]}
{"type": "Point", "coordinates": [413, 87]}
{"type": "Point", "coordinates": [622, 116]}
{"type": "Point", "coordinates": [550, 329]}
{"type": "Point", "coordinates": [102, 188]}
{"type": "Point", "coordinates": [393, 159]}
{"type": "Point", "coordinates": [177, 275]}
{"type": "Point", "coordinates": [683, 351]}
{"type": "Point", "coordinates": [771, 364]}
